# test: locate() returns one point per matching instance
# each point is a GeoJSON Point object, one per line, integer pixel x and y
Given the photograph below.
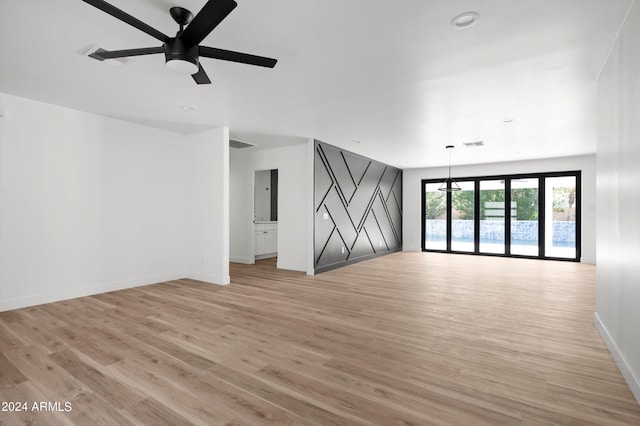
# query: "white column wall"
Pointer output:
{"type": "Point", "coordinates": [208, 209]}
{"type": "Point", "coordinates": [618, 175]}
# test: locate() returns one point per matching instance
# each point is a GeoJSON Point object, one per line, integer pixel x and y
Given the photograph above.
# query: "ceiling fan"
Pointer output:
{"type": "Point", "coordinates": [183, 51]}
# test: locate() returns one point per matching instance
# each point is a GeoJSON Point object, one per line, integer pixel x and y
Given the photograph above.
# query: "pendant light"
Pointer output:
{"type": "Point", "coordinates": [449, 185]}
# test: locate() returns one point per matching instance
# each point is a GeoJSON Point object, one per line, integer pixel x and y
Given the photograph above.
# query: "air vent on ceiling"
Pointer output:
{"type": "Point", "coordinates": [94, 52]}
{"type": "Point", "coordinates": [238, 144]}
{"type": "Point", "coordinates": [473, 144]}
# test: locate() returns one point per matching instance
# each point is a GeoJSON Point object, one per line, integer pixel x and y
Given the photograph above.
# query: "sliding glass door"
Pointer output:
{"type": "Point", "coordinates": [534, 215]}
{"type": "Point", "coordinates": [524, 223]}
{"type": "Point", "coordinates": [435, 214]}
{"type": "Point", "coordinates": [462, 214]}
{"type": "Point", "coordinates": [560, 217]}
{"type": "Point", "coordinates": [492, 216]}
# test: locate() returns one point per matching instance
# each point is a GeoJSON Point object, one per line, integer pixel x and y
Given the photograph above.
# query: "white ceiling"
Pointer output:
{"type": "Point", "coordinates": [391, 74]}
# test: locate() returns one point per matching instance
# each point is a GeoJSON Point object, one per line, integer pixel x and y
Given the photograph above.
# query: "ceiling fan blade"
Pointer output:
{"type": "Point", "coordinates": [125, 17]}
{"type": "Point", "coordinates": [213, 12]}
{"type": "Point", "coordinates": [111, 54]}
{"type": "Point", "coordinates": [243, 58]}
{"type": "Point", "coordinates": [201, 77]}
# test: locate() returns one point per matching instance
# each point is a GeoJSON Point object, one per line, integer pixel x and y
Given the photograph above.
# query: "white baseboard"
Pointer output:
{"type": "Point", "coordinates": [209, 278]}
{"type": "Point", "coordinates": [72, 293]}
{"type": "Point", "coordinates": [589, 260]}
{"type": "Point", "coordinates": [291, 266]}
{"type": "Point", "coordinates": [265, 256]}
{"type": "Point", "coordinates": [245, 260]}
{"type": "Point", "coordinates": [629, 375]}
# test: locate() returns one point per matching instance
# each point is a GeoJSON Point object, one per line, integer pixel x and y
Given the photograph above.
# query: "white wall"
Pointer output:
{"type": "Point", "coordinates": [411, 225]}
{"type": "Point", "coordinates": [90, 204]}
{"type": "Point", "coordinates": [208, 208]}
{"type": "Point", "coordinates": [294, 173]}
{"type": "Point", "coordinates": [618, 175]}
{"type": "Point", "coordinates": [87, 204]}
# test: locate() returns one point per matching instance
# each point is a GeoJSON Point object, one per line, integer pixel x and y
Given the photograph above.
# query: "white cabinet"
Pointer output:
{"type": "Point", "coordinates": [265, 239]}
{"type": "Point", "coordinates": [270, 241]}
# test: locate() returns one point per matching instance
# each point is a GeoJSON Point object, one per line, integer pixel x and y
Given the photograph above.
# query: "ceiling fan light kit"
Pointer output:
{"type": "Point", "coordinates": [180, 58]}
{"type": "Point", "coordinates": [183, 51]}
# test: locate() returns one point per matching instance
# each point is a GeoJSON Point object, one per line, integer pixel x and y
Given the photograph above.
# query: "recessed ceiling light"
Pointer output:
{"type": "Point", "coordinates": [464, 20]}
{"type": "Point", "coordinates": [508, 120]}
{"type": "Point", "coordinates": [186, 108]}
{"type": "Point", "coordinates": [355, 141]}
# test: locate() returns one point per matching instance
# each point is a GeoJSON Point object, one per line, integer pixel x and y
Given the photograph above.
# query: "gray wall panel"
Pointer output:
{"type": "Point", "coordinates": [332, 252]}
{"type": "Point", "coordinates": [362, 248]}
{"type": "Point", "coordinates": [323, 230]}
{"type": "Point", "coordinates": [375, 234]}
{"type": "Point", "coordinates": [340, 172]}
{"type": "Point", "coordinates": [363, 207]}
{"type": "Point", "coordinates": [322, 185]}
{"type": "Point", "coordinates": [340, 216]}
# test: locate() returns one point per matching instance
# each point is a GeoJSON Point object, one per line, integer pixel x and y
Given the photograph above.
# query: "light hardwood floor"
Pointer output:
{"type": "Point", "coordinates": [410, 338]}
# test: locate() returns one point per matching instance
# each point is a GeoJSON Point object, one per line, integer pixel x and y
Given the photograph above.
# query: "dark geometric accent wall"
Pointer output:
{"type": "Point", "coordinates": [358, 208]}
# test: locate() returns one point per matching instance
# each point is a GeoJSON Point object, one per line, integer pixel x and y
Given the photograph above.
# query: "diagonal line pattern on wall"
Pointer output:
{"type": "Point", "coordinates": [322, 179]}
{"type": "Point", "coordinates": [385, 207]}
{"type": "Point", "coordinates": [362, 200]}
{"type": "Point", "coordinates": [337, 170]}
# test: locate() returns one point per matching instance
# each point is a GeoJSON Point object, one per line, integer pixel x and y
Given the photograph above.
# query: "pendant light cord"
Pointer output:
{"type": "Point", "coordinates": [449, 185]}
{"type": "Point", "coordinates": [449, 148]}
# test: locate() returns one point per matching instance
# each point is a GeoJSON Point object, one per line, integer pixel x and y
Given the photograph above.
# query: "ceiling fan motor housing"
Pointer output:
{"type": "Point", "coordinates": [175, 49]}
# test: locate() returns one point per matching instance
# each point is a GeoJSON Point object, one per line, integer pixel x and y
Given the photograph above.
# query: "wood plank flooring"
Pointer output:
{"type": "Point", "coordinates": [406, 339]}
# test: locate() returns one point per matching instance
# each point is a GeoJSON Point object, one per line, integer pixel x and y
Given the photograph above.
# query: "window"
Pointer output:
{"type": "Point", "coordinates": [560, 216]}
{"type": "Point", "coordinates": [524, 216]}
{"type": "Point", "coordinates": [533, 215]}
{"type": "Point", "coordinates": [492, 215]}
{"type": "Point", "coordinates": [462, 214]}
{"type": "Point", "coordinates": [435, 214]}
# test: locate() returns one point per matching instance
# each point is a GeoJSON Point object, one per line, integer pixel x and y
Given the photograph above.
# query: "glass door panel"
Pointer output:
{"type": "Point", "coordinates": [541, 220]}
{"type": "Point", "coordinates": [435, 237]}
{"type": "Point", "coordinates": [524, 216]}
{"type": "Point", "coordinates": [462, 215]}
{"type": "Point", "coordinates": [560, 217]}
{"type": "Point", "coordinates": [492, 216]}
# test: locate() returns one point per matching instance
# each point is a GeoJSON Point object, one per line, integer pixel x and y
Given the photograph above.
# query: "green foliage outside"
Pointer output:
{"type": "Point", "coordinates": [526, 200]}
{"type": "Point", "coordinates": [527, 203]}
{"type": "Point", "coordinates": [436, 204]}
{"type": "Point", "coordinates": [463, 202]}
{"type": "Point", "coordinates": [563, 197]}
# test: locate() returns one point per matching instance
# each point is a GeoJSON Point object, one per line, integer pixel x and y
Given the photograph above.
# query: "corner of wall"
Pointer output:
{"type": "Point", "coordinates": [311, 143]}
{"type": "Point", "coordinates": [632, 378]}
